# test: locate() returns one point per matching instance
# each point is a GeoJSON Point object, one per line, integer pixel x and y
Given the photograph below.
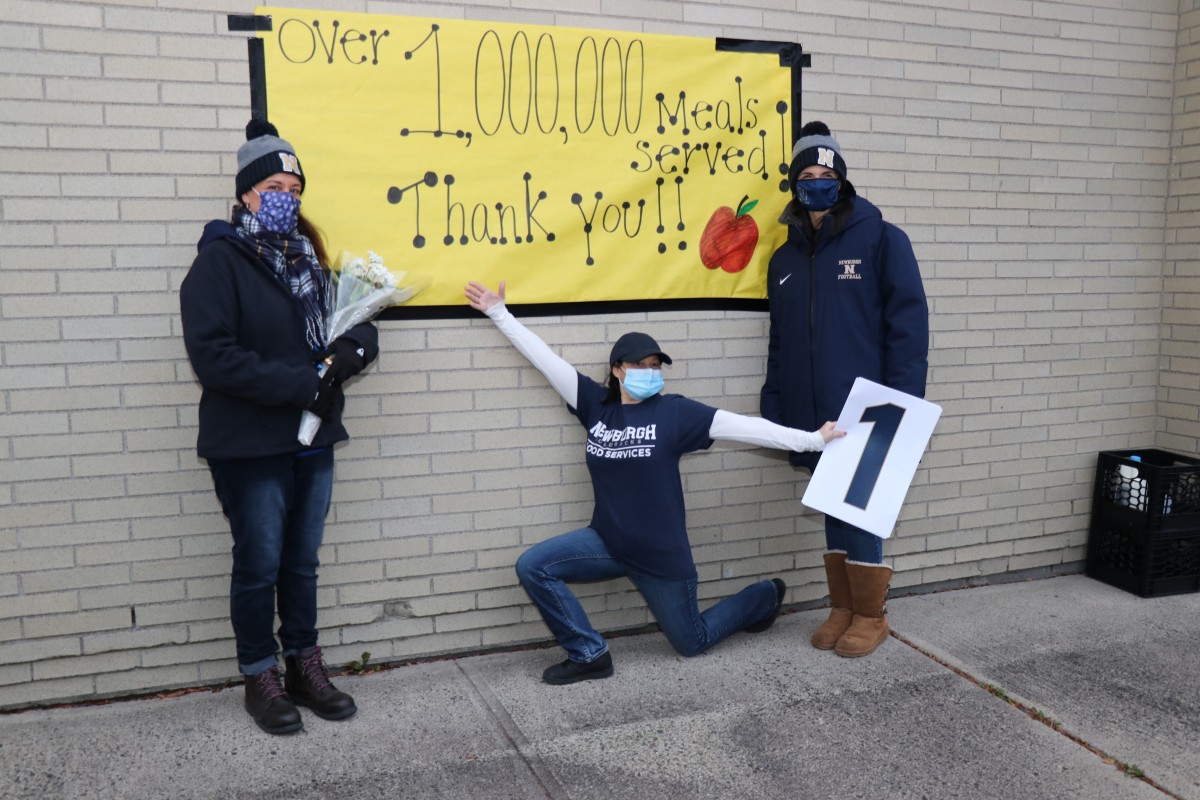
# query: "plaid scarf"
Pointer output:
{"type": "Point", "coordinates": [295, 263]}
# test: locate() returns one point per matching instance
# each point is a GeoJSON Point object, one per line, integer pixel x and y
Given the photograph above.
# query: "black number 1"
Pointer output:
{"type": "Point", "coordinates": [886, 421]}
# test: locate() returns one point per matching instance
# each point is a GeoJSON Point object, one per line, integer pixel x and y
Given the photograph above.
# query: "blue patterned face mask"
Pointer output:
{"type": "Point", "coordinates": [278, 212]}
{"type": "Point", "coordinates": [818, 194]}
{"type": "Point", "coordinates": [642, 383]}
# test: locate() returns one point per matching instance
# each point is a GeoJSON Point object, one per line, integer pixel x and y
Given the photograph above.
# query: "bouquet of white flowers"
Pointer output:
{"type": "Point", "coordinates": [359, 291]}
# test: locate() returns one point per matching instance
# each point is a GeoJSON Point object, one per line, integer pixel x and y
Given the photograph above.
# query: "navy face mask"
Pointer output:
{"type": "Point", "coordinates": [819, 194]}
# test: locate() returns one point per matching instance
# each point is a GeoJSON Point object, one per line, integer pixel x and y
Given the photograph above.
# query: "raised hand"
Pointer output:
{"type": "Point", "coordinates": [481, 298]}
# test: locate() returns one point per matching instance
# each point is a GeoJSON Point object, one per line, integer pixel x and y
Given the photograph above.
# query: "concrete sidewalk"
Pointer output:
{"type": "Point", "coordinates": [1103, 677]}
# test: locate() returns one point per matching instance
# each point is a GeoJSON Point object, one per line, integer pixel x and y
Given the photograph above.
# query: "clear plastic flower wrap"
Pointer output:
{"type": "Point", "coordinates": [359, 290]}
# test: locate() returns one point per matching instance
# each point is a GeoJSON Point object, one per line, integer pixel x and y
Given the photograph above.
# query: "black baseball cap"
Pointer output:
{"type": "Point", "coordinates": [632, 347]}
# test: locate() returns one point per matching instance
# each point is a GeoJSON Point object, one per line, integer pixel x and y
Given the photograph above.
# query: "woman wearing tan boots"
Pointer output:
{"type": "Point", "coordinates": [846, 302]}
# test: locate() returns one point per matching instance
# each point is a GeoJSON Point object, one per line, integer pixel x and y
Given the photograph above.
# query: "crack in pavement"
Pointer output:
{"type": "Point", "coordinates": [512, 732]}
{"type": "Point", "coordinates": [1033, 713]}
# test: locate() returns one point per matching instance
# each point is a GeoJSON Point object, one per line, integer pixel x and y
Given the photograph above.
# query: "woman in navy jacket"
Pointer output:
{"type": "Point", "coordinates": [846, 301]}
{"type": "Point", "coordinates": [253, 308]}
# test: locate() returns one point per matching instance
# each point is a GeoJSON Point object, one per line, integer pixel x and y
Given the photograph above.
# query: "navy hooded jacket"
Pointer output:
{"type": "Point", "coordinates": [849, 304]}
{"type": "Point", "coordinates": [245, 338]}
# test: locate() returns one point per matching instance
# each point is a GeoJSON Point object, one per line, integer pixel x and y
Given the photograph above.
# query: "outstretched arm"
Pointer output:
{"type": "Point", "coordinates": [562, 376]}
{"type": "Point", "coordinates": [764, 433]}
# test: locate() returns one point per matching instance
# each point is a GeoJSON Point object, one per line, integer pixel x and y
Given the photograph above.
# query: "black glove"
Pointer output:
{"type": "Point", "coordinates": [322, 404]}
{"type": "Point", "coordinates": [348, 358]}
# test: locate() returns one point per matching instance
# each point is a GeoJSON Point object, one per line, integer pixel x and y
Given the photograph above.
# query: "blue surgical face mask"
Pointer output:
{"type": "Point", "coordinates": [278, 212]}
{"type": "Point", "coordinates": [818, 194]}
{"type": "Point", "coordinates": [641, 384]}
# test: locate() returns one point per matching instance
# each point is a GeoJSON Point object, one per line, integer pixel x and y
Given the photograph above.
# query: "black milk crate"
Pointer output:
{"type": "Point", "coordinates": [1145, 527]}
{"type": "Point", "coordinates": [1147, 563]}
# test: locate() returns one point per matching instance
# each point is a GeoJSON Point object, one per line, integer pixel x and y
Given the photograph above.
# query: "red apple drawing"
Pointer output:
{"type": "Point", "coordinates": [729, 237]}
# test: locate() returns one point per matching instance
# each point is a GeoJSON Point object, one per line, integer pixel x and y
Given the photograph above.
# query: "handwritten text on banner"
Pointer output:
{"type": "Point", "coordinates": [579, 165]}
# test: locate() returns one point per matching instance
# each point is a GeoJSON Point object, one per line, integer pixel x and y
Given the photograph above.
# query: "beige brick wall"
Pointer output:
{"type": "Point", "coordinates": [1042, 157]}
{"type": "Point", "coordinates": [1179, 379]}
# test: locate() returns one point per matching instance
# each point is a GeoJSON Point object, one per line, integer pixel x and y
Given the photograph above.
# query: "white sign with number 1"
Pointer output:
{"type": "Point", "coordinates": [863, 477]}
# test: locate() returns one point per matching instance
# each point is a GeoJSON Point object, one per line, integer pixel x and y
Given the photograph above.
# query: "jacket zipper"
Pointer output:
{"type": "Point", "coordinates": [812, 328]}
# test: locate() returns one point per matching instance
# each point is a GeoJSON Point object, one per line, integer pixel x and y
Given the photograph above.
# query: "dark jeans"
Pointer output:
{"type": "Point", "coordinates": [858, 544]}
{"type": "Point", "coordinates": [581, 556]}
{"type": "Point", "coordinates": [276, 508]}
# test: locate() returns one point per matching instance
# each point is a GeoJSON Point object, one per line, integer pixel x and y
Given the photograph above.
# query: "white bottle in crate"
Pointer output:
{"type": "Point", "coordinates": [1134, 489]}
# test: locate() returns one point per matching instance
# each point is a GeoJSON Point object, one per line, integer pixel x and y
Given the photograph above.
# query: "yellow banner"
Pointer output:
{"type": "Point", "coordinates": [578, 165]}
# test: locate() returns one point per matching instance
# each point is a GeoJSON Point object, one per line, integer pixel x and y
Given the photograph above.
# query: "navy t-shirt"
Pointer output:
{"type": "Point", "coordinates": [633, 453]}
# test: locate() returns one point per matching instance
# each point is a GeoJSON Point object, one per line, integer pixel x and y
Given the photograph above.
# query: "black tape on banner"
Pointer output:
{"type": "Point", "coordinates": [257, 60]}
{"type": "Point", "coordinates": [248, 22]}
{"type": "Point", "coordinates": [405, 312]}
{"type": "Point", "coordinates": [258, 78]}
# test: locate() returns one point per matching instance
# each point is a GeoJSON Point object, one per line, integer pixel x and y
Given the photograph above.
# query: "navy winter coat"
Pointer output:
{"type": "Point", "coordinates": [245, 337]}
{"type": "Point", "coordinates": [847, 305]}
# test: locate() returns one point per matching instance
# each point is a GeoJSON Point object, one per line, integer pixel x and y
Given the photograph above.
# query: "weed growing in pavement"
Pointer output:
{"type": "Point", "coordinates": [361, 666]}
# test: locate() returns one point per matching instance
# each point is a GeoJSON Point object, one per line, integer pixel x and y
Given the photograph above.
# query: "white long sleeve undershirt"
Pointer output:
{"type": "Point", "coordinates": [564, 379]}
{"type": "Point", "coordinates": [763, 432]}
{"type": "Point", "coordinates": [562, 376]}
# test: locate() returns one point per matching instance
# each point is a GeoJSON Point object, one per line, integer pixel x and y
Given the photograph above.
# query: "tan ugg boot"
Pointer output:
{"type": "Point", "coordinates": [826, 636]}
{"type": "Point", "coordinates": [868, 592]}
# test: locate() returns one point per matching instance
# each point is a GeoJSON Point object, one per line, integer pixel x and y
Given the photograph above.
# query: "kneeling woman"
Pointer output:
{"type": "Point", "coordinates": [635, 438]}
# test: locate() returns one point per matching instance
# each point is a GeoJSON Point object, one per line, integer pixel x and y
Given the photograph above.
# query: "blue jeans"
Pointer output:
{"type": "Point", "coordinates": [276, 508]}
{"type": "Point", "coordinates": [858, 544]}
{"type": "Point", "coordinates": [581, 556]}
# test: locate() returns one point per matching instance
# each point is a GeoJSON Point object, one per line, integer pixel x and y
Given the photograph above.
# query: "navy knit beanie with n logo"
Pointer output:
{"type": "Point", "coordinates": [817, 147]}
